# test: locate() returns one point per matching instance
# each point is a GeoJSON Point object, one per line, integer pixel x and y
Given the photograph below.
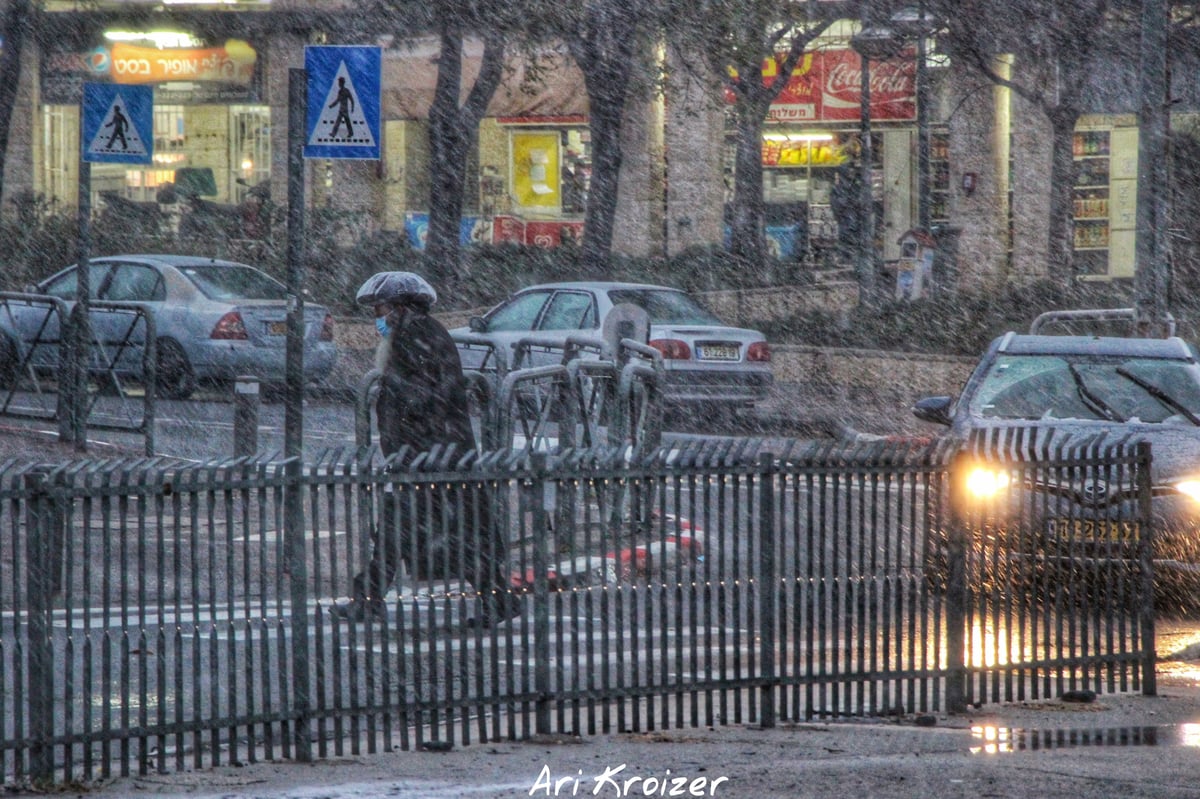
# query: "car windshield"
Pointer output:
{"type": "Point", "coordinates": [235, 283]}
{"type": "Point", "coordinates": [1087, 387]}
{"type": "Point", "coordinates": [666, 307]}
{"type": "Point", "coordinates": [519, 313]}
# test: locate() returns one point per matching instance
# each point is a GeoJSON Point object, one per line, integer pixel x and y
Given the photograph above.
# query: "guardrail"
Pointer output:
{"type": "Point", "coordinates": [47, 317]}
{"type": "Point", "coordinates": [36, 356]}
{"type": "Point", "coordinates": [563, 350]}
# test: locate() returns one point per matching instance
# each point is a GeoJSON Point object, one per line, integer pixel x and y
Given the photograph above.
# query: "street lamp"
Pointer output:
{"type": "Point", "coordinates": [871, 43]}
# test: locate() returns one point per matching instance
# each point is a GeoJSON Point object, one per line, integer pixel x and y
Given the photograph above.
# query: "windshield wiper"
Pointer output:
{"type": "Point", "coordinates": [1159, 394]}
{"type": "Point", "coordinates": [1093, 402]}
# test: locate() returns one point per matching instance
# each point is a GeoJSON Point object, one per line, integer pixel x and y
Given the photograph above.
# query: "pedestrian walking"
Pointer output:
{"type": "Point", "coordinates": [345, 104]}
{"type": "Point", "coordinates": [422, 404]}
{"type": "Point", "coordinates": [118, 123]}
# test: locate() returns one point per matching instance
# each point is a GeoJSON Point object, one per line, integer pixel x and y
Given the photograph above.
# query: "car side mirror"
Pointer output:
{"type": "Point", "coordinates": [477, 324]}
{"type": "Point", "coordinates": [933, 409]}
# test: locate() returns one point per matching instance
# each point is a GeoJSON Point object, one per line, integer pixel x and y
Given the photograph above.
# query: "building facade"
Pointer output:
{"type": "Point", "coordinates": [221, 110]}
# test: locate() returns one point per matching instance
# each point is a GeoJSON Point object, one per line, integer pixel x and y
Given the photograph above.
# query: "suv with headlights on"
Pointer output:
{"type": "Point", "coordinates": [1067, 392]}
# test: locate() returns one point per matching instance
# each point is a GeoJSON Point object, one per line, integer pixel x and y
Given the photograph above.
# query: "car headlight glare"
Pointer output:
{"type": "Point", "coordinates": [983, 482]}
{"type": "Point", "coordinates": [1190, 488]}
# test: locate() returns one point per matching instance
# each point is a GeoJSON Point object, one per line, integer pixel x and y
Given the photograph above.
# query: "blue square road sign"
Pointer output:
{"type": "Point", "coordinates": [118, 124]}
{"type": "Point", "coordinates": [343, 102]}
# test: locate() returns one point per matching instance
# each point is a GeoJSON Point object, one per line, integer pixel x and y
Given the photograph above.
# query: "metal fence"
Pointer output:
{"type": "Point", "coordinates": [157, 616]}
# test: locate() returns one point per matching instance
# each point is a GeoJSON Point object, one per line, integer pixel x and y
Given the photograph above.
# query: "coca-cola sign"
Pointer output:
{"type": "Point", "coordinates": [826, 86]}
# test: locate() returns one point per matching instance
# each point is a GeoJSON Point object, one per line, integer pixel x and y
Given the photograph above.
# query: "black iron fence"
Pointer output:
{"type": "Point", "coordinates": [155, 616]}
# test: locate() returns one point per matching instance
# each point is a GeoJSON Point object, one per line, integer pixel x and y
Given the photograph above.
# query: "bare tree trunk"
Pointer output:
{"type": "Point", "coordinates": [605, 48]}
{"type": "Point", "coordinates": [452, 134]}
{"type": "Point", "coordinates": [604, 119]}
{"type": "Point", "coordinates": [448, 150]}
{"type": "Point", "coordinates": [15, 31]}
{"type": "Point", "coordinates": [747, 224]}
{"type": "Point", "coordinates": [752, 103]}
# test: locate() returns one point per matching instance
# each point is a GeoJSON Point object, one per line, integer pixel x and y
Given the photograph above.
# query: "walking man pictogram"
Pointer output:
{"type": "Point", "coordinates": [118, 123]}
{"type": "Point", "coordinates": [345, 103]}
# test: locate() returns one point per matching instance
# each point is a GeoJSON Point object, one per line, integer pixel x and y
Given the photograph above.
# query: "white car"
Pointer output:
{"type": "Point", "coordinates": [706, 361]}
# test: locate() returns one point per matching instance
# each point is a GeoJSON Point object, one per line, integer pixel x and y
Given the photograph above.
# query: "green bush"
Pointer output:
{"type": "Point", "coordinates": [958, 324]}
{"type": "Point", "coordinates": [38, 240]}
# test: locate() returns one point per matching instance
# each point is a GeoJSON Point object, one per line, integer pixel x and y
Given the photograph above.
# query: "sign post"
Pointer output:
{"type": "Point", "coordinates": [117, 128]}
{"type": "Point", "coordinates": [333, 113]}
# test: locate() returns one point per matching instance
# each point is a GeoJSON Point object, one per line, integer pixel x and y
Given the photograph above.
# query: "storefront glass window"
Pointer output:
{"type": "Point", "coordinates": [249, 148]}
{"type": "Point", "coordinates": [55, 146]}
{"type": "Point", "coordinates": [811, 181]}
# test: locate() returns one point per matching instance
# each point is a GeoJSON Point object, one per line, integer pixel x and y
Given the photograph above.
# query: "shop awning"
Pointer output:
{"type": "Point", "coordinates": [410, 74]}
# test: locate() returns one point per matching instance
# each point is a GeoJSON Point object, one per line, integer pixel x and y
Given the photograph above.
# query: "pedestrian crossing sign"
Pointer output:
{"type": "Point", "coordinates": [118, 124]}
{"type": "Point", "coordinates": [343, 101]}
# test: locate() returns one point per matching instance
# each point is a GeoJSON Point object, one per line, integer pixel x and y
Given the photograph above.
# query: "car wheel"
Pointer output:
{"type": "Point", "coordinates": [176, 379]}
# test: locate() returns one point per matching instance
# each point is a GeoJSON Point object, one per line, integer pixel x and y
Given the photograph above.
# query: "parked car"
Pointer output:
{"type": "Point", "coordinates": [706, 361]}
{"type": "Point", "coordinates": [1056, 393]}
{"type": "Point", "coordinates": [215, 320]}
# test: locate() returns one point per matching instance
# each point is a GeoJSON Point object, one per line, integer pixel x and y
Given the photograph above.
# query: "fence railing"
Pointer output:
{"type": "Point", "coordinates": [156, 616]}
{"type": "Point", "coordinates": [566, 401]}
{"type": "Point", "coordinates": [37, 358]}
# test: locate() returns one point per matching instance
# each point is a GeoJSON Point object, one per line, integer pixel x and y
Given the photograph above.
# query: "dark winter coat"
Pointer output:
{"type": "Point", "coordinates": [423, 394]}
{"type": "Point", "coordinates": [422, 403]}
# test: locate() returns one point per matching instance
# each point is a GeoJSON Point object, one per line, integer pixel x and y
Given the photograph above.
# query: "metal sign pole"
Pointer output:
{"type": "Point", "coordinates": [293, 424]}
{"type": "Point", "coordinates": [293, 430]}
{"type": "Point", "coordinates": [80, 329]}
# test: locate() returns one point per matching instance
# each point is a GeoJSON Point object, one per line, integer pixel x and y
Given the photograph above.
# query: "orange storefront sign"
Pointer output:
{"type": "Point", "coordinates": [232, 63]}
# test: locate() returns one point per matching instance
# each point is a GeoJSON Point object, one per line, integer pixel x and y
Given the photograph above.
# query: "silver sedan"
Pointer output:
{"type": "Point", "coordinates": [215, 320]}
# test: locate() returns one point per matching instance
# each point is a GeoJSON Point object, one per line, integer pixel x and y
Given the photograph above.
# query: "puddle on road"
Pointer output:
{"type": "Point", "coordinates": [989, 740]}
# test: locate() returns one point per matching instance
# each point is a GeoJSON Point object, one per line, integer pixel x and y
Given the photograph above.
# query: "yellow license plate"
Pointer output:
{"type": "Point", "coordinates": [277, 328]}
{"type": "Point", "coordinates": [1093, 529]}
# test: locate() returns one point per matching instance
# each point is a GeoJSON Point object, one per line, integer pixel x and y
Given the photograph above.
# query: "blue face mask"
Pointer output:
{"type": "Point", "coordinates": [382, 326]}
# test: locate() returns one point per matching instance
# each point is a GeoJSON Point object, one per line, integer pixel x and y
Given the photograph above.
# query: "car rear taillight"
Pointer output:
{"type": "Point", "coordinates": [326, 328]}
{"type": "Point", "coordinates": [230, 327]}
{"type": "Point", "coordinates": [759, 351]}
{"type": "Point", "coordinates": [672, 349]}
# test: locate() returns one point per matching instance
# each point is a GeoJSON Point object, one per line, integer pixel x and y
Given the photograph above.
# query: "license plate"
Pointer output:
{"type": "Point", "coordinates": [717, 352]}
{"type": "Point", "coordinates": [277, 328]}
{"type": "Point", "coordinates": [1092, 529]}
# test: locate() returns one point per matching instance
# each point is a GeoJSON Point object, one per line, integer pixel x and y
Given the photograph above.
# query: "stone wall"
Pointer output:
{"type": "Point", "coordinates": [752, 307]}
{"type": "Point", "coordinates": [902, 374]}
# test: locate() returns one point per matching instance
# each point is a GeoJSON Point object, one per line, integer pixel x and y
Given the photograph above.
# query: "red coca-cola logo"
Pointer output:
{"type": "Point", "coordinates": [886, 78]}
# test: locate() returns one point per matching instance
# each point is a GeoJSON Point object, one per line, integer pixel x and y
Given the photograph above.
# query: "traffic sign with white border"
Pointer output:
{"type": "Point", "coordinates": [118, 124]}
{"type": "Point", "coordinates": [343, 101]}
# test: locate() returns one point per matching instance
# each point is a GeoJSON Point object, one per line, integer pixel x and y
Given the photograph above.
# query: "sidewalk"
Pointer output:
{"type": "Point", "coordinates": [1121, 745]}
{"type": "Point", "coordinates": [1125, 745]}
